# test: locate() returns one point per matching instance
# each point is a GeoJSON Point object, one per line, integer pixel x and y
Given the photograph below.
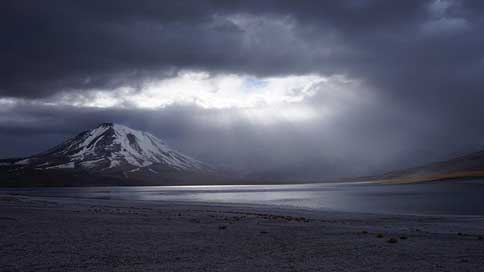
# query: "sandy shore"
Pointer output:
{"type": "Point", "coordinates": [53, 234]}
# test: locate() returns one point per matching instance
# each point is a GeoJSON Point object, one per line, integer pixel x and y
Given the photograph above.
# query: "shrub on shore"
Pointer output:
{"type": "Point", "coordinates": [392, 241]}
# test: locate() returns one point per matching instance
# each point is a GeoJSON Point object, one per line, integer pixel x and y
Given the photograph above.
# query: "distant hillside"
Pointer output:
{"type": "Point", "coordinates": [468, 166]}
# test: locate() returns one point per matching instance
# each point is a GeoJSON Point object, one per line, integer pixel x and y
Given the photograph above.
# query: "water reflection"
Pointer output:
{"type": "Point", "coordinates": [456, 197]}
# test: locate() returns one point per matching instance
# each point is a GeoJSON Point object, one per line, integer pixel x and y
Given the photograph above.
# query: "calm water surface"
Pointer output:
{"type": "Point", "coordinates": [438, 198]}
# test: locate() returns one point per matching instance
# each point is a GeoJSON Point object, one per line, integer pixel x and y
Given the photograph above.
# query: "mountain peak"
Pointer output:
{"type": "Point", "coordinates": [113, 147]}
{"type": "Point", "coordinates": [105, 125]}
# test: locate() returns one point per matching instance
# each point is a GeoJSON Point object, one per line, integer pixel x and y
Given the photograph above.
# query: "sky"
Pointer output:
{"type": "Point", "coordinates": [307, 89]}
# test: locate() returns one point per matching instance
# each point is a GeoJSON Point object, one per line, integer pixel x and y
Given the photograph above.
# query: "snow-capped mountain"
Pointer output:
{"type": "Point", "coordinates": [110, 150]}
{"type": "Point", "coordinates": [111, 146]}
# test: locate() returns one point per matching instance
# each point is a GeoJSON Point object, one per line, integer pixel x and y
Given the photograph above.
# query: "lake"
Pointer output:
{"type": "Point", "coordinates": [464, 197]}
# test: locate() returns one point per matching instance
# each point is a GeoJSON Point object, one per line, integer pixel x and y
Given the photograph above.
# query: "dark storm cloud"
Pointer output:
{"type": "Point", "coordinates": [401, 47]}
{"type": "Point", "coordinates": [53, 46]}
{"type": "Point", "coordinates": [421, 63]}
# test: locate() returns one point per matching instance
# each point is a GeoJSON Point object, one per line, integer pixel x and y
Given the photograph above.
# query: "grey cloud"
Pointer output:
{"type": "Point", "coordinates": [55, 46]}
{"type": "Point", "coordinates": [421, 69]}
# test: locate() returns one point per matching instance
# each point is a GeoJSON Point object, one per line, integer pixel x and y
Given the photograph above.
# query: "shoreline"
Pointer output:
{"type": "Point", "coordinates": [58, 234]}
{"type": "Point", "coordinates": [292, 210]}
{"type": "Point", "coordinates": [351, 198]}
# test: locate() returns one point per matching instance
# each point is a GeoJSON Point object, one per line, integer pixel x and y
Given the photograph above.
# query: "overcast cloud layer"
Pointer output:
{"type": "Point", "coordinates": [333, 88]}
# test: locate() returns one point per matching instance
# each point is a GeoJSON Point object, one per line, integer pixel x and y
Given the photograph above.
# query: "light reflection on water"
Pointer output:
{"type": "Point", "coordinates": [453, 197]}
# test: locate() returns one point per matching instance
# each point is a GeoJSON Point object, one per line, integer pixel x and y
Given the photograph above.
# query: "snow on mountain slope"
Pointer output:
{"type": "Point", "coordinates": [111, 147]}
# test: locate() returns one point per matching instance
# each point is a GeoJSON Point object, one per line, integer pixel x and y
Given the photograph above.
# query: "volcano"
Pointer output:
{"type": "Point", "coordinates": [110, 154]}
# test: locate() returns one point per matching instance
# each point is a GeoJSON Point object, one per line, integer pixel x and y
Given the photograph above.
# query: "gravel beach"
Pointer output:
{"type": "Point", "coordinates": [62, 234]}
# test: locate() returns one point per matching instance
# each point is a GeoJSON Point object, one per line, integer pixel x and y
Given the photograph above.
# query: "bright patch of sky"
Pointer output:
{"type": "Point", "coordinates": [264, 100]}
{"type": "Point", "coordinates": [208, 91]}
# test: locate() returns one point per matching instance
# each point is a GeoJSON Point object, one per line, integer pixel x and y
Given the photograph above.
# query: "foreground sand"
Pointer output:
{"type": "Point", "coordinates": [51, 234]}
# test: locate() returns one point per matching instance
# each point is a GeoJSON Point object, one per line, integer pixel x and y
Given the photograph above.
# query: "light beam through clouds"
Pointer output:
{"type": "Point", "coordinates": [276, 85]}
